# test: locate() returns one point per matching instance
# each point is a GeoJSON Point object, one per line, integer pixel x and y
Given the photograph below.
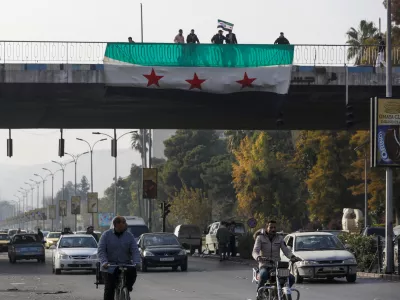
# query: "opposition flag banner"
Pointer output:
{"type": "Point", "coordinates": [75, 205]}
{"type": "Point", "coordinates": [225, 25]}
{"type": "Point", "coordinates": [199, 71]}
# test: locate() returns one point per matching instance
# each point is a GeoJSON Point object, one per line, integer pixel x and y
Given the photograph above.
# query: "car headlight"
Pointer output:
{"type": "Point", "coordinates": [350, 261]}
{"type": "Point", "coordinates": [147, 253]}
{"type": "Point", "coordinates": [182, 252]}
{"type": "Point", "coordinates": [306, 263]}
{"type": "Point", "coordinates": [63, 256]}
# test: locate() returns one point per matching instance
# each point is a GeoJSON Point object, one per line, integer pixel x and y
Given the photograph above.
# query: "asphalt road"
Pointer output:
{"type": "Point", "coordinates": [206, 279]}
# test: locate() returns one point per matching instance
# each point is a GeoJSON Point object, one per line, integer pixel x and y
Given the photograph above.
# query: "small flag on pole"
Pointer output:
{"type": "Point", "coordinates": [225, 25]}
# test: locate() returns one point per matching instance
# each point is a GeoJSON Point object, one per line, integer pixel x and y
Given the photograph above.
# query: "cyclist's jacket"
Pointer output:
{"type": "Point", "coordinates": [118, 248]}
{"type": "Point", "coordinates": [270, 249]}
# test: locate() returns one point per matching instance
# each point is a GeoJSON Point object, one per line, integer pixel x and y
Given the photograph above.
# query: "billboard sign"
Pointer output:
{"type": "Point", "coordinates": [386, 133]}
{"type": "Point", "coordinates": [93, 202]}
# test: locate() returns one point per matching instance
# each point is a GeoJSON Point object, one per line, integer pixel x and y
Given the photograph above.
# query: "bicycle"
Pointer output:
{"type": "Point", "coordinates": [121, 290]}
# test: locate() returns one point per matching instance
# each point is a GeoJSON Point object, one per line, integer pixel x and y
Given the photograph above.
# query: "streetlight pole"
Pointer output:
{"type": "Point", "coordinates": [37, 205]}
{"type": "Point", "coordinates": [43, 206]}
{"type": "Point", "coordinates": [365, 181]}
{"type": "Point", "coordinates": [75, 160]}
{"type": "Point", "coordinates": [19, 210]}
{"type": "Point", "coordinates": [16, 211]}
{"type": "Point", "coordinates": [114, 154]}
{"type": "Point", "coordinates": [389, 172]}
{"type": "Point", "coordinates": [52, 192]}
{"type": "Point", "coordinates": [63, 189]}
{"type": "Point", "coordinates": [32, 189]}
{"type": "Point", "coordinates": [24, 193]}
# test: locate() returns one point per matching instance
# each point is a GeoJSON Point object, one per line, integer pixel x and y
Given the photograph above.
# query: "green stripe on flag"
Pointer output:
{"type": "Point", "coordinates": [200, 55]}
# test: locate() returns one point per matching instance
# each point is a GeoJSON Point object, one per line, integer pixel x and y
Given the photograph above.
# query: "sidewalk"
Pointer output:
{"type": "Point", "coordinates": [252, 263]}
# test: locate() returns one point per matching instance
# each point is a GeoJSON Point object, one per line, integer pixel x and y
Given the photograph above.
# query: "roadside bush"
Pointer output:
{"type": "Point", "coordinates": [362, 247]}
{"type": "Point", "coordinates": [245, 247]}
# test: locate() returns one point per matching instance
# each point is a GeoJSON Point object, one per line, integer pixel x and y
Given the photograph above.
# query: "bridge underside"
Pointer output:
{"type": "Point", "coordinates": [95, 106]}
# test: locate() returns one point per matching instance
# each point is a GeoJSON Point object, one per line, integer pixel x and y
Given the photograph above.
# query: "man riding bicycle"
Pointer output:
{"type": "Point", "coordinates": [267, 248]}
{"type": "Point", "coordinates": [117, 246]}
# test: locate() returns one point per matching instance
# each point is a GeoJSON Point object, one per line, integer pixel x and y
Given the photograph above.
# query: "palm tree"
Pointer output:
{"type": "Point", "coordinates": [357, 38]}
{"type": "Point", "coordinates": [137, 141]}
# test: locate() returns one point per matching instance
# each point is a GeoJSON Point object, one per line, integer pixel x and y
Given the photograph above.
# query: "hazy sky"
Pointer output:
{"type": "Point", "coordinates": [256, 21]}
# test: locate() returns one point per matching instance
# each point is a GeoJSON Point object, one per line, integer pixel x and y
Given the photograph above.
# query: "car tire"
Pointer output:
{"type": "Point", "coordinates": [175, 268]}
{"type": "Point", "coordinates": [57, 271]}
{"type": "Point", "coordinates": [94, 271]}
{"type": "Point", "coordinates": [330, 278]}
{"type": "Point", "coordinates": [184, 267]}
{"type": "Point", "coordinates": [351, 278]}
{"type": "Point", "coordinates": [297, 278]}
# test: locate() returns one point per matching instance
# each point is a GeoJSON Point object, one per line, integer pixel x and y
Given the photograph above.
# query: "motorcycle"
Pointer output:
{"type": "Point", "coordinates": [277, 286]}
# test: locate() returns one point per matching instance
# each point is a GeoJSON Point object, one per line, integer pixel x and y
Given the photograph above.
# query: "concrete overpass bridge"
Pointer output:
{"type": "Point", "coordinates": [62, 85]}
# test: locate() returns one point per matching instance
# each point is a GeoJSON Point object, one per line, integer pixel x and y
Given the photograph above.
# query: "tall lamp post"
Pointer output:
{"type": "Point", "coordinates": [365, 181]}
{"type": "Point", "coordinates": [19, 209]}
{"type": "Point", "coordinates": [37, 200]}
{"type": "Point", "coordinates": [24, 193]}
{"type": "Point", "coordinates": [52, 191]}
{"type": "Point", "coordinates": [75, 160]}
{"type": "Point", "coordinates": [114, 141]}
{"type": "Point", "coordinates": [32, 189]}
{"type": "Point", "coordinates": [63, 178]}
{"type": "Point", "coordinates": [43, 206]}
{"type": "Point", "coordinates": [16, 211]}
{"type": "Point", "coordinates": [91, 147]}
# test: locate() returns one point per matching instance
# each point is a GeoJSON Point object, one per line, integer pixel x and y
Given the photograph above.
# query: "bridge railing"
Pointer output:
{"type": "Point", "coordinates": [93, 53]}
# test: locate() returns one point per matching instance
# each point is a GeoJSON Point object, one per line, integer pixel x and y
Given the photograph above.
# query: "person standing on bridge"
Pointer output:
{"type": "Point", "coordinates": [130, 40]}
{"type": "Point", "coordinates": [281, 40]}
{"type": "Point", "coordinates": [380, 59]}
{"type": "Point", "coordinates": [192, 38]}
{"type": "Point", "coordinates": [230, 38]}
{"type": "Point", "coordinates": [179, 39]}
{"type": "Point", "coordinates": [219, 38]}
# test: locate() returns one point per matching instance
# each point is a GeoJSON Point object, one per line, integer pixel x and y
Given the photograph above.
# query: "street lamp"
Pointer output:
{"type": "Point", "coordinates": [52, 191]}
{"type": "Point", "coordinates": [37, 186]}
{"type": "Point", "coordinates": [91, 158]}
{"type": "Point", "coordinates": [32, 188]}
{"type": "Point", "coordinates": [114, 154]}
{"type": "Point", "coordinates": [63, 192]}
{"type": "Point", "coordinates": [75, 160]}
{"type": "Point", "coordinates": [19, 209]}
{"type": "Point", "coordinates": [16, 211]}
{"type": "Point", "coordinates": [43, 181]}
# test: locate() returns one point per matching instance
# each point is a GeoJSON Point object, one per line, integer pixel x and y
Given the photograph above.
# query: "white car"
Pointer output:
{"type": "Point", "coordinates": [75, 252]}
{"type": "Point", "coordinates": [323, 255]}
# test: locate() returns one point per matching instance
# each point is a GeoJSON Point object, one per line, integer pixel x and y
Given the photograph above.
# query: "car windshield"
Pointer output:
{"type": "Point", "coordinates": [317, 243]}
{"type": "Point", "coordinates": [53, 235]}
{"type": "Point", "coordinates": [138, 230]}
{"type": "Point", "coordinates": [77, 242]}
{"type": "Point", "coordinates": [25, 239]}
{"type": "Point", "coordinates": [160, 240]}
{"type": "Point", "coordinates": [3, 237]}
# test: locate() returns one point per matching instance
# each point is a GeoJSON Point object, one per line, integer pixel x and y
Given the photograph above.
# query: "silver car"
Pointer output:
{"type": "Point", "coordinates": [323, 255]}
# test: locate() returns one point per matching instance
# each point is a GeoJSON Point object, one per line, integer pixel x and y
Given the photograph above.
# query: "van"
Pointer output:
{"type": "Point", "coordinates": [211, 236]}
{"type": "Point", "coordinates": [136, 225]}
{"type": "Point", "coordinates": [189, 236]}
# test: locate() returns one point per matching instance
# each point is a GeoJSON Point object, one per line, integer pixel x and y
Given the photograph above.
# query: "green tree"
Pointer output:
{"type": "Point", "coordinates": [83, 187]}
{"type": "Point", "coordinates": [234, 137]}
{"type": "Point", "coordinates": [190, 206]}
{"type": "Point", "coordinates": [356, 38]}
{"type": "Point", "coordinates": [395, 10]}
{"type": "Point", "coordinates": [137, 142]}
{"type": "Point", "coordinates": [187, 151]}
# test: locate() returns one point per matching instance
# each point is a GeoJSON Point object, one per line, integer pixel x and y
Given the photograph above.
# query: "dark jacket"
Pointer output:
{"type": "Point", "coordinates": [382, 46]}
{"type": "Point", "coordinates": [228, 38]}
{"type": "Point", "coordinates": [282, 41]}
{"type": "Point", "coordinates": [218, 39]}
{"type": "Point", "coordinates": [96, 237]}
{"type": "Point", "coordinates": [192, 39]}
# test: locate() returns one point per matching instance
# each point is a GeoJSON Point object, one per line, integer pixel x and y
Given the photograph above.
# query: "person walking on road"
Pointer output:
{"type": "Point", "coordinates": [118, 246]}
{"type": "Point", "coordinates": [90, 230]}
{"type": "Point", "coordinates": [223, 238]}
{"type": "Point", "coordinates": [40, 235]}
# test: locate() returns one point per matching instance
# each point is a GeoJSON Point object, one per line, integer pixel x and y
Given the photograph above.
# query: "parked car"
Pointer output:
{"type": "Point", "coordinates": [323, 255]}
{"type": "Point", "coordinates": [25, 246]}
{"type": "Point", "coordinates": [4, 240]}
{"type": "Point", "coordinates": [75, 252]}
{"type": "Point", "coordinates": [211, 235]}
{"type": "Point", "coordinates": [189, 236]}
{"type": "Point", "coordinates": [162, 250]}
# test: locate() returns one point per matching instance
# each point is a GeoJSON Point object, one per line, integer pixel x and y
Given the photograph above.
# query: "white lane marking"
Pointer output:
{"type": "Point", "coordinates": [179, 291]}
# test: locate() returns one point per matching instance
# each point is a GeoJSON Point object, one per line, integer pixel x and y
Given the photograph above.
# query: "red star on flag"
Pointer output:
{"type": "Point", "coordinates": [153, 78]}
{"type": "Point", "coordinates": [246, 81]}
{"type": "Point", "coordinates": [195, 83]}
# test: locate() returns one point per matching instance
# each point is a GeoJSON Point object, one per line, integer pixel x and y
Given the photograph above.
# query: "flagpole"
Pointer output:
{"type": "Point", "coordinates": [141, 19]}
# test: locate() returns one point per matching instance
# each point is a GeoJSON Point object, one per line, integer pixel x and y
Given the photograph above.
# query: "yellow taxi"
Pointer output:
{"type": "Point", "coordinates": [4, 239]}
{"type": "Point", "coordinates": [52, 239]}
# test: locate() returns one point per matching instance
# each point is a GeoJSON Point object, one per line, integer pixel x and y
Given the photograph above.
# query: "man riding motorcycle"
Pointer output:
{"type": "Point", "coordinates": [267, 247]}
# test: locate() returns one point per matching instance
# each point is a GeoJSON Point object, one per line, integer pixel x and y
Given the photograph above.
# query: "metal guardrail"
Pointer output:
{"type": "Point", "coordinates": [93, 53]}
